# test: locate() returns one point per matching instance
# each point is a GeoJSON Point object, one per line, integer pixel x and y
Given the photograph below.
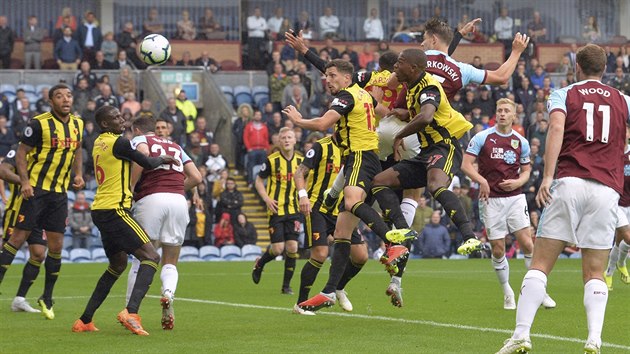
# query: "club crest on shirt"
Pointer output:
{"type": "Point", "coordinates": [515, 143]}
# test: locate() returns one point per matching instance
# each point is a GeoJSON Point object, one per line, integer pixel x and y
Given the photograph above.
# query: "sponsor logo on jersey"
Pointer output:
{"type": "Point", "coordinates": [339, 102]}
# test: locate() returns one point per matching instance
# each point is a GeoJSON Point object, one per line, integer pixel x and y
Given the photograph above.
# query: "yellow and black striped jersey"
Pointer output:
{"type": "Point", "coordinates": [15, 197]}
{"type": "Point", "coordinates": [280, 187]}
{"type": "Point", "coordinates": [369, 79]}
{"type": "Point", "coordinates": [447, 122]}
{"type": "Point", "coordinates": [357, 126]}
{"type": "Point", "coordinates": [324, 161]}
{"type": "Point", "coordinates": [54, 147]}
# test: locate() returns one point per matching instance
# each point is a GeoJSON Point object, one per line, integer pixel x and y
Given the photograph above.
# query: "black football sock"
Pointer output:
{"type": "Point", "coordinates": [53, 266]}
{"type": "Point", "coordinates": [267, 257]}
{"type": "Point", "coordinates": [307, 278]}
{"type": "Point", "coordinates": [455, 211]}
{"type": "Point", "coordinates": [6, 258]}
{"type": "Point", "coordinates": [403, 263]}
{"type": "Point", "coordinates": [143, 282]}
{"type": "Point", "coordinates": [352, 269]}
{"type": "Point", "coordinates": [390, 205]}
{"type": "Point", "coordinates": [29, 274]}
{"type": "Point", "coordinates": [289, 268]}
{"type": "Point", "coordinates": [103, 286]}
{"type": "Point", "coordinates": [338, 264]}
{"type": "Point", "coordinates": [371, 218]}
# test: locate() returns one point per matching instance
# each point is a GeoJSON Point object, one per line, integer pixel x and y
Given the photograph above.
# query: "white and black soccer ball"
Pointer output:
{"type": "Point", "coordinates": [155, 49]}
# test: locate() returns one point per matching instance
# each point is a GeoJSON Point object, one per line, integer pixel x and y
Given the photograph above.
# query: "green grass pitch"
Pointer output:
{"type": "Point", "coordinates": [450, 307]}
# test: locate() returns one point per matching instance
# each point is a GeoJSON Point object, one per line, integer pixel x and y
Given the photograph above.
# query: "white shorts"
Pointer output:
{"type": "Point", "coordinates": [623, 216]}
{"type": "Point", "coordinates": [164, 216]}
{"type": "Point", "coordinates": [502, 216]}
{"type": "Point", "coordinates": [387, 129]}
{"type": "Point", "coordinates": [583, 212]}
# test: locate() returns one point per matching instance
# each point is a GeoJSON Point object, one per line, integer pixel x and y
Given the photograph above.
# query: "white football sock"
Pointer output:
{"type": "Point", "coordinates": [502, 268]}
{"type": "Point", "coordinates": [337, 186]}
{"type": "Point", "coordinates": [131, 277]}
{"type": "Point", "coordinates": [408, 208]}
{"type": "Point", "coordinates": [612, 260]}
{"type": "Point", "coordinates": [397, 280]}
{"type": "Point", "coordinates": [169, 277]}
{"type": "Point", "coordinates": [528, 260]}
{"type": "Point", "coordinates": [533, 292]}
{"type": "Point", "coordinates": [623, 252]}
{"type": "Point", "coordinates": [595, 298]}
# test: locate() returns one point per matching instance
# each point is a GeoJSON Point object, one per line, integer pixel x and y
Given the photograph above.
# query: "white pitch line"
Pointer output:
{"type": "Point", "coordinates": [402, 320]}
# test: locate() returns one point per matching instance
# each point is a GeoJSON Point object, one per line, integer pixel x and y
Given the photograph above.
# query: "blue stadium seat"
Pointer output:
{"type": "Point", "coordinates": [250, 252]}
{"type": "Point", "coordinates": [67, 242]}
{"type": "Point", "coordinates": [230, 252]}
{"type": "Point", "coordinates": [189, 254]}
{"type": "Point", "coordinates": [89, 195]}
{"type": "Point", "coordinates": [65, 256]}
{"type": "Point", "coordinates": [4, 88]}
{"type": "Point", "coordinates": [576, 255]}
{"type": "Point", "coordinates": [20, 257]}
{"type": "Point", "coordinates": [80, 255]}
{"type": "Point", "coordinates": [260, 90]}
{"type": "Point", "coordinates": [32, 97]}
{"type": "Point", "coordinates": [98, 255]}
{"type": "Point", "coordinates": [39, 88]}
{"type": "Point", "coordinates": [210, 253]}
{"type": "Point", "coordinates": [71, 196]}
{"type": "Point", "coordinates": [10, 96]}
{"type": "Point", "coordinates": [243, 94]}
{"type": "Point", "coordinates": [27, 88]}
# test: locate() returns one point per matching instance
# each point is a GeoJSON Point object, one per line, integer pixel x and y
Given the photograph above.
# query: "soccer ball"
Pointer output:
{"type": "Point", "coordinates": [155, 49]}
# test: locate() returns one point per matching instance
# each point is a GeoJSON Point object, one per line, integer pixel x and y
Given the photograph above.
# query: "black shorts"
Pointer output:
{"type": "Point", "coordinates": [45, 210]}
{"type": "Point", "coordinates": [36, 237]}
{"type": "Point", "coordinates": [319, 226]}
{"type": "Point", "coordinates": [445, 155]}
{"type": "Point", "coordinates": [120, 232]}
{"type": "Point", "coordinates": [360, 168]}
{"type": "Point", "coordinates": [284, 228]}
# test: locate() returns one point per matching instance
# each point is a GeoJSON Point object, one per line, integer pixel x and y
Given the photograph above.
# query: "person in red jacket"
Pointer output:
{"type": "Point", "coordinates": [256, 139]}
{"type": "Point", "coordinates": [223, 231]}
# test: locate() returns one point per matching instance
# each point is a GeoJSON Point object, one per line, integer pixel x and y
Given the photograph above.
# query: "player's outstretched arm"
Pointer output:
{"type": "Point", "coordinates": [553, 144]}
{"type": "Point", "coordinates": [123, 150]}
{"type": "Point", "coordinates": [468, 28]}
{"type": "Point", "coordinates": [504, 72]}
{"type": "Point", "coordinates": [320, 124]}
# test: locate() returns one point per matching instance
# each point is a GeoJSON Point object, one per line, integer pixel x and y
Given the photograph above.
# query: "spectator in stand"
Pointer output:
{"type": "Point", "coordinates": [82, 94]}
{"type": "Point", "coordinates": [304, 24]}
{"type": "Point", "coordinates": [90, 37]}
{"type": "Point", "coordinates": [422, 218]}
{"type": "Point", "coordinates": [485, 101]}
{"type": "Point", "coordinates": [7, 137]}
{"type": "Point", "coordinates": [503, 28]}
{"type": "Point", "coordinates": [67, 51]}
{"type": "Point", "coordinates": [193, 149]}
{"type": "Point", "coordinates": [278, 81]}
{"type": "Point", "coordinates": [130, 104]}
{"type": "Point", "coordinates": [287, 93]}
{"type": "Point", "coordinates": [244, 113]}
{"type": "Point", "coordinates": [126, 81]}
{"type": "Point", "coordinates": [257, 29]}
{"type": "Point", "coordinates": [244, 231]}
{"type": "Point", "coordinates": [611, 60]}
{"type": "Point", "coordinates": [176, 117]}
{"type": "Point", "coordinates": [275, 59]}
{"type": "Point", "coordinates": [477, 62]}
{"type": "Point", "coordinates": [188, 108]}
{"type": "Point", "coordinates": [223, 231]}
{"type": "Point", "coordinates": [267, 113]}
{"type": "Point", "coordinates": [329, 24]}
{"type": "Point", "coordinates": [33, 36]}
{"type": "Point", "coordinates": [205, 135]}
{"type": "Point", "coordinates": [329, 47]}
{"type": "Point", "coordinates": [219, 186]}
{"type": "Point", "coordinates": [126, 41]}
{"type": "Point", "coordinates": [526, 94]}
{"type": "Point", "coordinates": [109, 47]}
{"type": "Point", "coordinates": [366, 56]}
{"type": "Point", "coordinates": [231, 200]}
{"type": "Point", "coordinates": [623, 53]}
{"type": "Point", "coordinates": [572, 55]}
{"type": "Point", "coordinates": [469, 101]}
{"type": "Point", "coordinates": [354, 56]}
{"type": "Point", "coordinates": [207, 62]}
{"type": "Point", "coordinates": [66, 13]}
{"type": "Point", "coordinates": [22, 117]}
{"type": "Point", "coordinates": [374, 65]}
{"type": "Point", "coordinates": [565, 66]}
{"type": "Point", "coordinates": [620, 81]}
{"type": "Point", "coordinates": [590, 31]}
{"type": "Point", "coordinates": [146, 109]}
{"type": "Point", "coordinates": [537, 30]}
{"type": "Point", "coordinates": [122, 61]}
{"type": "Point", "coordinates": [435, 239]}
{"type": "Point", "coordinates": [373, 27]}
{"type": "Point", "coordinates": [276, 124]}
{"type": "Point", "coordinates": [400, 27]}
{"type": "Point", "coordinates": [274, 22]}
{"type": "Point", "coordinates": [416, 22]}
{"type": "Point", "coordinates": [209, 27]}
{"type": "Point", "coordinates": [300, 101]}
{"type": "Point", "coordinates": [547, 87]}
{"type": "Point", "coordinates": [80, 221]}
{"type": "Point", "coordinates": [100, 63]}
{"type": "Point", "coordinates": [620, 64]}
{"type": "Point", "coordinates": [43, 103]}
{"type": "Point", "coordinates": [256, 140]}
{"type": "Point", "coordinates": [518, 75]}
{"type": "Point", "coordinates": [541, 134]}
{"type": "Point", "coordinates": [537, 77]}
{"type": "Point", "coordinates": [88, 114]}
{"type": "Point", "coordinates": [502, 91]}
{"type": "Point", "coordinates": [106, 97]}
{"type": "Point", "coordinates": [186, 60]}
{"type": "Point", "coordinates": [85, 72]}
{"type": "Point", "coordinates": [186, 29]}
{"type": "Point", "coordinates": [58, 33]}
{"type": "Point", "coordinates": [152, 24]}
{"type": "Point", "coordinates": [214, 165]}
{"type": "Point", "coordinates": [285, 27]}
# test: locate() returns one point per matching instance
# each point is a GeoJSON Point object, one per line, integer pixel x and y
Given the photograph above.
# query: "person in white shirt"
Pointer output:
{"type": "Point", "coordinates": [256, 27]}
{"type": "Point", "coordinates": [373, 27]}
{"type": "Point", "coordinates": [275, 22]}
{"type": "Point", "coordinates": [328, 24]}
{"type": "Point", "coordinates": [503, 27]}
